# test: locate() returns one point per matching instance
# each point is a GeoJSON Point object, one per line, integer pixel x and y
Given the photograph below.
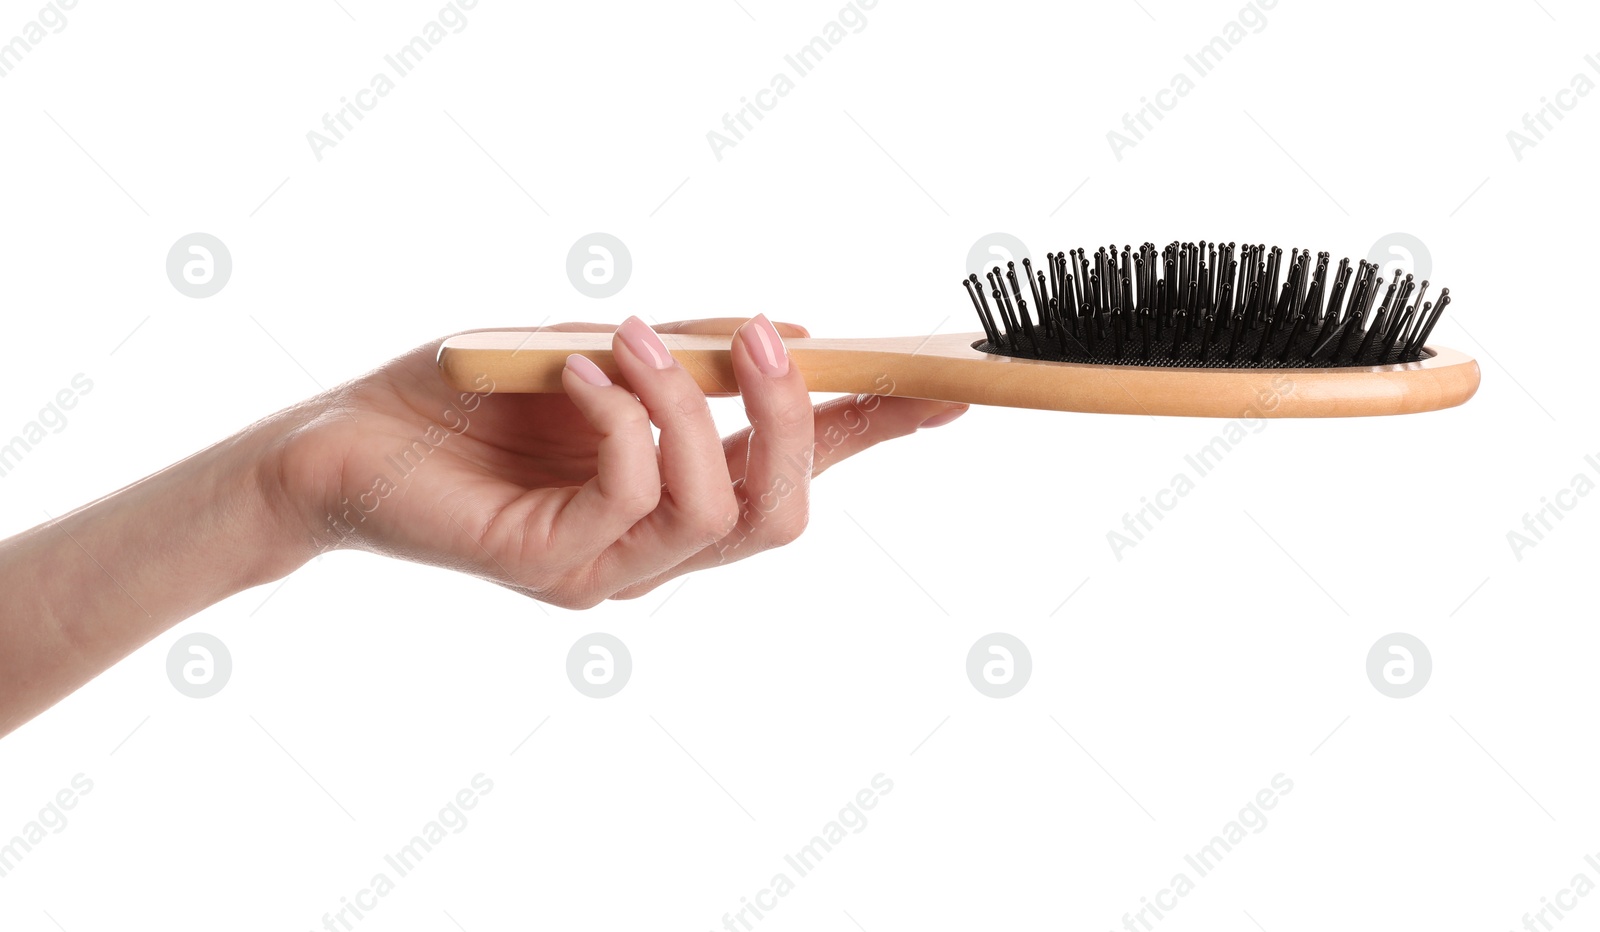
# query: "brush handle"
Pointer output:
{"type": "Point", "coordinates": [946, 367]}
{"type": "Point", "coordinates": [532, 362]}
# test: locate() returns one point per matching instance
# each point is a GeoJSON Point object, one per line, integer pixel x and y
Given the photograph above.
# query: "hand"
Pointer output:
{"type": "Point", "coordinates": [568, 498]}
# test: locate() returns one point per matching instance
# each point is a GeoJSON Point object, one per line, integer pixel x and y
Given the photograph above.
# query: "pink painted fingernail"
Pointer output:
{"type": "Point", "coordinates": [939, 420]}
{"type": "Point", "coordinates": [645, 344]}
{"type": "Point", "coordinates": [765, 346]}
{"type": "Point", "coordinates": [584, 368]}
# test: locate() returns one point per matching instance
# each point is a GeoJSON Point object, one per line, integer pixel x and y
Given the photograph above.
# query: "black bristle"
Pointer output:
{"type": "Point", "coordinates": [1397, 326]}
{"type": "Point", "coordinates": [1372, 332]}
{"type": "Point", "coordinates": [1205, 304]}
{"type": "Point", "coordinates": [1039, 305]}
{"type": "Point", "coordinates": [1294, 340]}
{"type": "Point", "coordinates": [1054, 292]}
{"type": "Point", "coordinates": [1422, 314]}
{"type": "Point", "coordinates": [1438, 310]}
{"type": "Point", "coordinates": [975, 292]}
{"type": "Point", "coordinates": [1007, 325]}
{"type": "Point", "coordinates": [1328, 347]}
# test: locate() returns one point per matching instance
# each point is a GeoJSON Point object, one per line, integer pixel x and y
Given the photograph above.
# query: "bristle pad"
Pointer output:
{"type": "Point", "coordinates": [1204, 305]}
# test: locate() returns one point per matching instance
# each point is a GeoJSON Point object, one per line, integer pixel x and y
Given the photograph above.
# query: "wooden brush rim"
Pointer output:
{"type": "Point", "coordinates": [947, 367]}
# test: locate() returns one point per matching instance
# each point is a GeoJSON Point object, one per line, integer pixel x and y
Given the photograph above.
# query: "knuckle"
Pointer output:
{"type": "Point", "coordinates": [576, 590]}
{"type": "Point", "coordinates": [630, 593]}
{"type": "Point", "coordinates": [790, 417]}
{"type": "Point", "coordinates": [557, 597]}
{"type": "Point", "coordinates": [788, 530]}
{"type": "Point", "coordinates": [691, 404]}
{"type": "Point", "coordinates": [638, 500]}
{"type": "Point", "coordinates": [573, 597]}
{"type": "Point", "coordinates": [632, 419]}
{"type": "Point", "coordinates": [711, 524]}
{"type": "Point", "coordinates": [727, 513]}
{"type": "Point", "coordinates": [776, 530]}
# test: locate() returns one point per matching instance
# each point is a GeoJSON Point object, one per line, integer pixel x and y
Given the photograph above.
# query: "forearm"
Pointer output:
{"type": "Point", "coordinates": [85, 589]}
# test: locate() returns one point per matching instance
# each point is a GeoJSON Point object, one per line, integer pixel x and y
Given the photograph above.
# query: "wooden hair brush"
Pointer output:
{"type": "Point", "coordinates": [1196, 329]}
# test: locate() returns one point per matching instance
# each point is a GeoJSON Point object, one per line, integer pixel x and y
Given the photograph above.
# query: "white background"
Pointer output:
{"type": "Point", "coordinates": [1168, 686]}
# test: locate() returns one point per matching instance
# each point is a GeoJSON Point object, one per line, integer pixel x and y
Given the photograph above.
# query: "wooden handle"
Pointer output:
{"type": "Point", "coordinates": [946, 367]}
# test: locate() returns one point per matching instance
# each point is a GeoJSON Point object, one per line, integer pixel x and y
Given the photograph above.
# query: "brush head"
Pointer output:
{"type": "Point", "coordinates": [1204, 306]}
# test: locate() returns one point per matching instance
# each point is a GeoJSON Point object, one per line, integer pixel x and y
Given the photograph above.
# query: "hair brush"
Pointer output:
{"type": "Point", "coordinates": [1198, 329]}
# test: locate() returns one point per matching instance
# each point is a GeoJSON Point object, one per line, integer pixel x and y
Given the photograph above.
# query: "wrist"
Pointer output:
{"type": "Point", "coordinates": [275, 495]}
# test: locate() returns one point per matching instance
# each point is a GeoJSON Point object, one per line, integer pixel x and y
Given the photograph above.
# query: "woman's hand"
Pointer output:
{"type": "Point", "coordinates": [569, 498]}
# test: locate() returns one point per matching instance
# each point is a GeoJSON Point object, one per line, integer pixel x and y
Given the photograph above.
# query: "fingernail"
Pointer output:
{"type": "Point", "coordinates": [939, 420]}
{"type": "Point", "coordinates": [645, 344]}
{"type": "Point", "coordinates": [584, 368]}
{"type": "Point", "coordinates": [765, 346]}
